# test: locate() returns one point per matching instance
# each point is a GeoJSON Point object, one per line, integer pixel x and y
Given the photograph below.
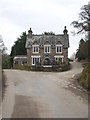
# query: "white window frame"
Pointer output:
{"type": "Point", "coordinates": [35, 57]}
{"type": "Point", "coordinates": [59, 57]}
{"type": "Point", "coordinates": [47, 48]}
{"type": "Point", "coordinates": [61, 49]}
{"type": "Point", "coordinates": [35, 49]}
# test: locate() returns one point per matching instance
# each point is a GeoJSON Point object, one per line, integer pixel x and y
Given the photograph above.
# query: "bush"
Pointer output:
{"type": "Point", "coordinates": [6, 61]}
{"type": "Point", "coordinates": [22, 67]}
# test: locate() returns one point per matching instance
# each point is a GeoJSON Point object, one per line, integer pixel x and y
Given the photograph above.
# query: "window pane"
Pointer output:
{"type": "Point", "coordinates": [57, 48]}
{"type": "Point", "coordinates": [48, 49]}
{"type": "Point", "coordinates": [34, 49]}
{"type": "Point", "coordinates": [60, 48]}
{"type": "Point", "coordinates": [45, 49]}
{"type": "Point", "coordinates": [33, 60]}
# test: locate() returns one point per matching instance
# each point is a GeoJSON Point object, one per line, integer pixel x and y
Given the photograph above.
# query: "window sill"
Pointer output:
{"type": "Point", "coordinates": [46, 52]}
{"type": "Point", "coordinates": [35, 52]}
{"type": "Point", "coordinates": [58, 52]}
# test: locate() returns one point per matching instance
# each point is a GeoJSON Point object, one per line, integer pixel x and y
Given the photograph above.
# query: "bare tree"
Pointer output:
{"type": "Point", "coordinates": [1, 43]}
{"type": "Point", "coordinates": [83, 23]}
{"type": "Point", "coordinates": [2, 46]}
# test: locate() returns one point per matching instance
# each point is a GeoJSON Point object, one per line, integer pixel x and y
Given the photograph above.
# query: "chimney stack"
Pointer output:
{"type": "Point", "coordinates": [30, 33]}
{"type": "Point", "coordinates": [65, 31]}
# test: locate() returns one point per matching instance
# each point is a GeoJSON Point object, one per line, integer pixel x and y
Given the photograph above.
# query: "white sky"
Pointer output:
{"type": "Point", "coordinates": [17, 16]}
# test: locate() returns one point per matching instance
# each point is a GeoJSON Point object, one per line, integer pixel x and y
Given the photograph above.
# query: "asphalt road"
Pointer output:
{"type": "Point", "coordinates": [44, 95]}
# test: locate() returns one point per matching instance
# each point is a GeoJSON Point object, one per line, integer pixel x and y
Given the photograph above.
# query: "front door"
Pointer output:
{"type": "Point", "coordinates": [46, 61]}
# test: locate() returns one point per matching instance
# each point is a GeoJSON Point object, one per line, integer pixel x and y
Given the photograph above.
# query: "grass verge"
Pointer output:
{"type": "Point", "coordinates": [84, 79]}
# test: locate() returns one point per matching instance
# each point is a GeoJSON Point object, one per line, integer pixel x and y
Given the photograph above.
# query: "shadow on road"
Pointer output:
{"type": "Point", "coordinates": [25, 107]}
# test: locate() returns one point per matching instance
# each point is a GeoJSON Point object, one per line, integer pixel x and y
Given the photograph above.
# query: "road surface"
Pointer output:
{"type": "Point", "coordinates": [44, 95]}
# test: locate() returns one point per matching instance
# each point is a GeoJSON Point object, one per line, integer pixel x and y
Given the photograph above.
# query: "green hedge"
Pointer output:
{"type": "Point", "coordinates": [22, 67]}
{"type": "Point", "coordinates": [55, 68]}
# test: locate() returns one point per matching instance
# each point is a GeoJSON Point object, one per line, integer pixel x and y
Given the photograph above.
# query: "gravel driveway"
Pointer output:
{"type": "Point", "coordinates": [44, 95]}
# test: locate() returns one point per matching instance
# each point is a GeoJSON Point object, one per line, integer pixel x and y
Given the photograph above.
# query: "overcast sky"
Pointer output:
{"type": "Point", "coordinates": [17, 16]}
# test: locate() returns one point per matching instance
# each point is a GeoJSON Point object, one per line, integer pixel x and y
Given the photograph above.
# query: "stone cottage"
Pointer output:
{"type": "Point", "coordinates": [47, 50]}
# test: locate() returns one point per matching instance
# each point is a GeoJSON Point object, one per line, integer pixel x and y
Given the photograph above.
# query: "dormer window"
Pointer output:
{"type": "Point", "coordinates": [47, 48]}
{"type": "Point", "coordinates": [35, 48]}
{"type": "Point", "coordinates": [58, 48]}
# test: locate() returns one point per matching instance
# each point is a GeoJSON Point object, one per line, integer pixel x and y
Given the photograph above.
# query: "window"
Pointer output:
{"type": "Point", "coordinates": [57, 58]}
{"type": "Point", "coordinates": [47, 48]}
{"type": "Point", "coordinates": [15, 62]}
{"type": "Point", "coordinates": [58, 48]}
{"type": "Point", "coordinates": [35, 60]}
{"type": "Point", "coordinates": [35, 48]}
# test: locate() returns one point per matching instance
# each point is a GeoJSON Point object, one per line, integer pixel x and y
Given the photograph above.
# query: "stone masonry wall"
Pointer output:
{"type": "Point", "coordinates": [43, 55]}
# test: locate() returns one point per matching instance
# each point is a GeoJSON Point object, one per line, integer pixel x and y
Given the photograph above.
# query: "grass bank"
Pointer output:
{"type": "Point", "coordinates": [84, 79]}
{"type": "Point", "coordinates": [0, 73]}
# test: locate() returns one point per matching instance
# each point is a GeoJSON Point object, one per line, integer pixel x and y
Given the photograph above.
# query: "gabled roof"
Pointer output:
{"type": "Point", "coordinates": [52, 39]}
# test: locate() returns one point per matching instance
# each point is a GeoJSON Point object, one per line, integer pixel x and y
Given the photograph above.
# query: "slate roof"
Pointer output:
{"type": "Point", "coordinates": [20, 57]}
{"type": "Point", "coordinates": [52, 39]}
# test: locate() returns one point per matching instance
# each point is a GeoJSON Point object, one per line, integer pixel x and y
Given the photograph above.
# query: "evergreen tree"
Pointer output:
{"type": "Point", "coordinates": [82, 52]}
{"type": "Point", "coordinates": [19, 47]}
